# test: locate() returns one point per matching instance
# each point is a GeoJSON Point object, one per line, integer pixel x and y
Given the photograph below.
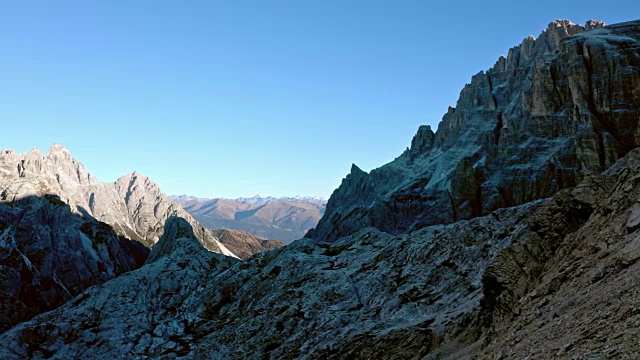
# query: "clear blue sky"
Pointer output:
{"type": "Point", "coordinates": [234, 98]}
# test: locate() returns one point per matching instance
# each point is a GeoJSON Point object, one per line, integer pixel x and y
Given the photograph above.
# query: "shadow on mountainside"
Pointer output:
{"type": "Point", "coordinates": [49, 254]}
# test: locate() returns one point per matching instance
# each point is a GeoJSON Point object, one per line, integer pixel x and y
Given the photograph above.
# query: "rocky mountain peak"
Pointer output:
{"type": "Point", "coordinates": [134, 205]}
{"type": "Point", "coordinates": [176, 231]}
{"type": "Point", "coordinates": [594, 24]}
{"type": "Point", "coordinates": [357, 172]}
{"type": "Point", "coordinates": [555, 108]}
{"type": "Point", "coordinates": [423, 141]}
{"type": "Point", "coordinates": [58, 150]}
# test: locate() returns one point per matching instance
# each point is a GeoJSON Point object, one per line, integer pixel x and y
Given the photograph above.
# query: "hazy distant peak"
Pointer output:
{"type": "Point", "coordinates": [256, 199]}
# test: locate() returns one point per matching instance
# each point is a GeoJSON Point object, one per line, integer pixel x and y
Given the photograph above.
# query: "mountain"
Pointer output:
{"type": "Point", "coordinates": [555, 109]}
{"type": "Point", "coordinates": [48, 255]}
{"type": "Point", "coordinates": [134, 205]}
{"type": "Point", "coordinates": [550, 278]}
{"type": "Point", "coordinates": [268, 218]}
{"type": "Point", "coordinates": [243, 244]}
{"type": "Point", "coordinates": [258, 200]}
{"type": "Point", "coordinates": [62, 231]}
{"type": "Point", "coordinates": [551, 272]}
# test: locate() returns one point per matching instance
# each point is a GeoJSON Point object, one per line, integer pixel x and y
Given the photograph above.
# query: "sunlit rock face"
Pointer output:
{"type": "Point", "coordinates": [558, 107]}
{"type": "Point", "coordinates": [134, 205]}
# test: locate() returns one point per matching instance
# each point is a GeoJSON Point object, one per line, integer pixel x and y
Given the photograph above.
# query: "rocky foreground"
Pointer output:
{"type": "Point", "coordinates": [552, 277]}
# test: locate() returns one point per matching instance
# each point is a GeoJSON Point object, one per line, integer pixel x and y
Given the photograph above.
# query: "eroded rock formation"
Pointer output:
{"type": "Point", "coordinates": [134, 205]}
{"type": "Point", "coordinates": [555, 109]}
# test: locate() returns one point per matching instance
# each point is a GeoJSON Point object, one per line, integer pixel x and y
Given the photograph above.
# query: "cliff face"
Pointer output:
{"type": "Point", "coordinates": [555, 109]}
{"type": "Point", "coordinates": [134, 205]}
{"type": "Point", "coordinates": [48, 255]}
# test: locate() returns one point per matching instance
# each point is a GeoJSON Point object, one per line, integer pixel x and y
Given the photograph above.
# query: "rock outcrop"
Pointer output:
{"type": "Point", "coordinates": [131, 316]}
{"type": "Point", "coordinates": [557, 108]}
{"type": "Point", "coordinates": [134, 205]}
{"type": "Point", "coordinates": [49, 255]}
{"type": "Point", "coordinates": [243, 244]}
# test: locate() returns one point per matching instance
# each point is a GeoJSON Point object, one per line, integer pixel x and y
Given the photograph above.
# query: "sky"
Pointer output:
{"type": "Point", "coordinates": [236, 98]}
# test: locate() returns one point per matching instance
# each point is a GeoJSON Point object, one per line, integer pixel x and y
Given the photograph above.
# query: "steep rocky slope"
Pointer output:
{"type": "Point", "coordinates": [482, 287]}
{"type": "Point", "coordinates": [555, 109]}
{"type": "Point", "coordinates": [48, 255]}
{"type": "Point", "coordinates": [267, 218]}
{"type": "Point", "coordinates": [131, 315]}
{"type": "Point", "coordinates": [243, 244]}
{"type": "Point", "coordinates": [134, 206]}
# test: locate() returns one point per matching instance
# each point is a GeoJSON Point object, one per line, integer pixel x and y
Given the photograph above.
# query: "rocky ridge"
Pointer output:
{"type": "Point", "coordinates": [266, 218]}
{"type": "Point", "coordinates": [134, 206]}
{"type": "Point", "coordinates": [48, 255]}
{"type": "Point", "coordinates": [131, 315]}
{"type": "Point", "coordinates": [557, 108]}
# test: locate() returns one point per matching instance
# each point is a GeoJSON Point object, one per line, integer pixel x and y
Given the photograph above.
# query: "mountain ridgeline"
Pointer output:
{"type": "Point", "coordinates": [133, 205]}
{"type": "Point", "coordinates": [555, 109]}
{"type": "Point", "coordinates": [285, 219]}
{"type": "Point", "coordinates": [512, 232]}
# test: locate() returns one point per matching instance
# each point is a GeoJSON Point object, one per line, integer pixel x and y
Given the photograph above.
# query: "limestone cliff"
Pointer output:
{"type": "Point", "coordinates": [134, 205]}
{"type": "Point", "coordinates": [48, 255]}
{"type": "Point", "coordinates": [557, 108]}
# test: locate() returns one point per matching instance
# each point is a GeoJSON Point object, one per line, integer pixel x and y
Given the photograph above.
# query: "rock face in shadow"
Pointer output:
{"type": "Point", "coordinates": [49, 255]}
{"type": "Point", "coordinates": [134, 205]}
{"type": "Point", "coordinates": [555, 109]}
{"type": "Point", "coordinates": [243, 244]}
{"type": "Point", "coordinates": [134, 314]}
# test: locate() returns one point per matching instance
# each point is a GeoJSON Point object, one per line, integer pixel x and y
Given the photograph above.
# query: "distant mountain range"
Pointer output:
{"type": "Point", "coordinates": [256, 199]}
{"type": "Point", "coordinates": [282, 218]}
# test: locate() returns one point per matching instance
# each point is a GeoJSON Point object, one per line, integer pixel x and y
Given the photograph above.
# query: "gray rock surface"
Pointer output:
{"type": "Point", "coordinates": [49, 255]}
{"type": "Point", "coordinates": [134, 205]}
{"type": "Point", "coordinates": [555, 109]}
{"type": "Point", "coordinates": [132, 316]}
